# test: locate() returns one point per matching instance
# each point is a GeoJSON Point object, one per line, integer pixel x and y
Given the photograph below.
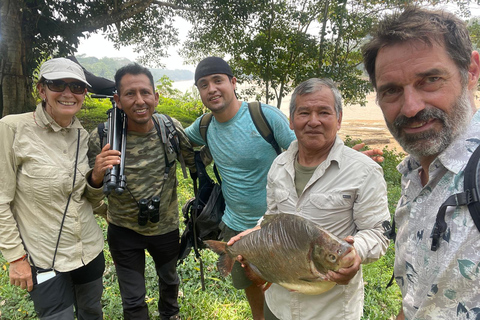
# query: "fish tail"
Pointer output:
{"type": "Point", "coordinates": [225, 262]}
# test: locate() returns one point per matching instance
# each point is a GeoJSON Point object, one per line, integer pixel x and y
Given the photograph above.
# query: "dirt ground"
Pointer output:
{"type": "Point", "coordinates": [367, 123]}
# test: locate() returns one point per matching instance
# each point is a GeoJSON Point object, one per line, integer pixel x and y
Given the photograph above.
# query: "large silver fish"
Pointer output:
{"type": "Point", "coordinates": [289, 250]}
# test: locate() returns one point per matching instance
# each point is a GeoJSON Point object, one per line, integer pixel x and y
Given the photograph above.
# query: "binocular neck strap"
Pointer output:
{"type": "Point", "coordinates": [68, 200]}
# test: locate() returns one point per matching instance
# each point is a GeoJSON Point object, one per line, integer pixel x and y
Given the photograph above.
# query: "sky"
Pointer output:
{"type": "Point", "coordinates": [90, 46]}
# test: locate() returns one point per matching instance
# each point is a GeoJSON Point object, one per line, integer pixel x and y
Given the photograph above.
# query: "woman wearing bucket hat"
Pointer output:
{"type": "Point", "coordinates": [48, 232]}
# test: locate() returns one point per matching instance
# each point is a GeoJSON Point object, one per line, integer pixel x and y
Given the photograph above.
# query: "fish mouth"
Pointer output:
{"type": "Point", "coordinates": [348, 257]}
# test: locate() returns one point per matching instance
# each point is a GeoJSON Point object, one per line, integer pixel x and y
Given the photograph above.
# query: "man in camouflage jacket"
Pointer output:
{"type": "Point", "coordinates": [144, 169]}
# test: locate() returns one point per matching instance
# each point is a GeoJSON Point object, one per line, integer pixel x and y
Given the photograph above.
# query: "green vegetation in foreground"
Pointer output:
{"type": "Point", "coordinates": [220, 300]}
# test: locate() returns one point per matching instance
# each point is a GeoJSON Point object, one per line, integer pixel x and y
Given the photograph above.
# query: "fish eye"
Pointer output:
{"type": "Point", "coordinates": [332, 257]}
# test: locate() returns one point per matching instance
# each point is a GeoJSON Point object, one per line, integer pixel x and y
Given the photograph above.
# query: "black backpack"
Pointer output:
{"type": "Point", "coordinates": [203, 214]}
{"type": "Point", "coordinates": [166, 131]}
{"type": "Point", "coordinates": [470, 197]}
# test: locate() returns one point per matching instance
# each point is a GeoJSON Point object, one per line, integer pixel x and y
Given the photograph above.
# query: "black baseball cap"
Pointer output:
{"type": "Point", "coordinates": [212, 65]}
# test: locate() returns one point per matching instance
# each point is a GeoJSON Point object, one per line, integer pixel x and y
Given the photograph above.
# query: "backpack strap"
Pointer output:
{"type": "Point", "coordinates": [469, 197]}
{"type": "Point", "coordinates": [262, 125]}
{"type": "Point", "coordinates": [472, 186]}
{"type": "Point", "coordinates": [204, 123]}
{"type": "Point", "coordinates": [169, 136]}
{"type": "Point", "coordinates": [102, 132]}
{"type": "Point", "coordinates": [258, 118]}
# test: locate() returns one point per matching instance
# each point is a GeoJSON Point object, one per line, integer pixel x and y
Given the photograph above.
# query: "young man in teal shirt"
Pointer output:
{"type": "Point", "coordinates": [242, 156]}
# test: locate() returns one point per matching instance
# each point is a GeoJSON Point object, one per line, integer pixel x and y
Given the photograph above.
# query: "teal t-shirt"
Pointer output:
{"type": "Point", "coordinates": [243, 159]}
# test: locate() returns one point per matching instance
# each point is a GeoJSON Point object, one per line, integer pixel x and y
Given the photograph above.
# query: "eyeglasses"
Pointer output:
{"type": "Point", "coordinates": [60, 85]}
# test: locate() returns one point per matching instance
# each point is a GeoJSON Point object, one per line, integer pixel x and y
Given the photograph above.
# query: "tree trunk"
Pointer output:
{"type": "Point", "coordinates": [15, 85]}
{"type": "Point", "coordinates": [322, 38]}
{"type": "Point", "coordinates": [341, 18]}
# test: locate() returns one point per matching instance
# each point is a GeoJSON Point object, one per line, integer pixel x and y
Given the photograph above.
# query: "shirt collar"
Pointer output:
{"type": "Point", "coordinates": [44, 120]}
{"type": "Point", "coordinates": [335, 153]}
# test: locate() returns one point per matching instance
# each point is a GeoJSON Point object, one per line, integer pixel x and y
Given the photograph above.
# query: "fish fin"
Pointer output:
{"type": "Point", "coordinates": [219, 247]}
{"type": "Point", "coordinates": [225, 262]}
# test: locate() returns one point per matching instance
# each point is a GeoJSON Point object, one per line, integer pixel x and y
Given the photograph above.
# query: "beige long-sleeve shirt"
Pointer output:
{"type": "Point", "coordinates": [37, 162]}
{"type": "Point", "coordinates": [346, 195]}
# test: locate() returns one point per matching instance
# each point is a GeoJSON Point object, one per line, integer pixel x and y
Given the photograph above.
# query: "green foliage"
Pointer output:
{"type": "Point", "coordinates": [184, 107]}
{"type": "Point", "coordinates": [474, 31]}
{"type": "Point", "coordinates": [94, 112]}
{"type": "Point", "coordinates": [380, 302]}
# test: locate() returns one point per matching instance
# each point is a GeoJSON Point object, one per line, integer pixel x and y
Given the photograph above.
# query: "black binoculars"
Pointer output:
{"type": "Point", "coordinates": [149, 210]}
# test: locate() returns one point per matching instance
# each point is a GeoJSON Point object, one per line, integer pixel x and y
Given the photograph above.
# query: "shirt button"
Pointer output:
{"type": "Point", "coordinates": [64, 151]}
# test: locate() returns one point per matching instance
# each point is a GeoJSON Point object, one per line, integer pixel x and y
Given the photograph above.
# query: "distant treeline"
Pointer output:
{"type": "Point", "coordinates": [106, 67]}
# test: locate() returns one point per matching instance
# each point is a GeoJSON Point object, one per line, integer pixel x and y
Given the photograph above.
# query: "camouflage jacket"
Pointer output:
{"type": "Point", "coordinates": [144, 170]}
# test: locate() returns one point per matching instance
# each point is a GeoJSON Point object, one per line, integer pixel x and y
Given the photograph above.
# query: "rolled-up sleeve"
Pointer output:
{"type": "Point", "coordinates": [369, 212]}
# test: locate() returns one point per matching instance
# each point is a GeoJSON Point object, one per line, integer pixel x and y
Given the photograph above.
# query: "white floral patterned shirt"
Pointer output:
{"type": "Point", "coordinates": [442, 284]}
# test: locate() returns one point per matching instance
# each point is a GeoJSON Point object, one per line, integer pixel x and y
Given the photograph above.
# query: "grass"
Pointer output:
{"type": "Point", "coordinates": [220, 300]}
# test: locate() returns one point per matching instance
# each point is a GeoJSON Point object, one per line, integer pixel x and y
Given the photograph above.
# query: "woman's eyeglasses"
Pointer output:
{"type": "Point", "coordinates": [60, 85]}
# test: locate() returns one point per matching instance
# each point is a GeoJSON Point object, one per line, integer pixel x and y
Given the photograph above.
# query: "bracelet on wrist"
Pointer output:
{"type": "Point", "coordinates": [20, 259]}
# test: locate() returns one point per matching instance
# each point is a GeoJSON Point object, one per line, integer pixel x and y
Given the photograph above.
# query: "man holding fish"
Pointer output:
{"type": "Point", "coordinates": [335, 187]}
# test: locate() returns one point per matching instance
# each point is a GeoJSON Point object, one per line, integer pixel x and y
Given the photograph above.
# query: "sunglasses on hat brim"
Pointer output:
{"type": "Point", "coordinates": [60, 85]}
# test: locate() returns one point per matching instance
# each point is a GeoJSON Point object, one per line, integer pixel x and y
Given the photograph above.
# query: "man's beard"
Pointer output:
{"type": "Point", "coordinates": [431, 142]}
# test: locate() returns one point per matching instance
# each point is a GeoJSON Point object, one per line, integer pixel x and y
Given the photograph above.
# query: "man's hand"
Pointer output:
{"type": "Point", "coordinates": [21, 275]}
{"type": "Point", "coordinates": [238, 237]}
{"type": "Point", "coordinates": [374, 154]}
{"type": "Point", "coordinates": [103, 161]}
{"type": "Point", "coordinates": [344, 275]}
{"type": "Point", "coordinates": [241, 234]}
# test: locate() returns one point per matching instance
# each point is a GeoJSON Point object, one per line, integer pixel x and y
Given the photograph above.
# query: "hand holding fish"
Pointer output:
{"type": "Point", "coordinates": [241, 235]}
{"type": "Point", "coordinates": [345, 274]}
{"type": "Point", "coordinates": [289, 250]}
